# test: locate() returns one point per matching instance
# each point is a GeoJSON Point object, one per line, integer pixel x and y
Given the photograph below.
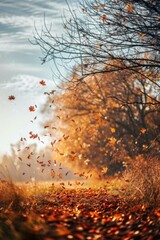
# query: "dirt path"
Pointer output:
{"type": "Point", "coordinates": [79, 214]}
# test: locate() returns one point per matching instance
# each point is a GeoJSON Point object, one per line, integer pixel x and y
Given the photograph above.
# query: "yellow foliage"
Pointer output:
{"type": "Point", "coordinates": [143, 130]}
{"type": "Point", "coordinates": [112, 140]}
{"type": "Point", "coordinates": [53, 174]}
{"type": "Point", "coordinates": [104, 170]}
{"type": "Point", "coordinates": [113, 130]}
{"type": "Point", "coordinates": [95, 125]}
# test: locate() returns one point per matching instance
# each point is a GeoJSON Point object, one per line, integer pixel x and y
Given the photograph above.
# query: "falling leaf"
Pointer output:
{"type": "Point", "coordinates": [69, 184]}
{"type": "Point", "coordinates": [103, 6]}
{"type": "Point", "coordinates": [42, 82]}
{"type": "Point", "coordinates": [46, 93]}
{"type": "Point", "coordinates": [77, 182]}
{"type": "Point", "coordinates": [11, 97]}
{"type": "Point", "coordinates": [104, 170]}
{"type": "Point", "coordinates": [112, 140]}
{"type": "Point", "coordinates": [113, 130]}
{"type": "Point", "coordinates": [59, 175]}
{"type": "Point", "coordinates": [33, 136]}
{"type": "Point", "coordinates": [52, 173]}
{"type": "Point", "coordinates": [143, 130]}
{"type": "Point", "coordinates": [127, 180]}
{"type": "Point", "coordinates": [130, 8]}
{"type": "Point", "coordinates": [103, 17]}
{"type": "Point", "coordinates": [31, 108]}
{"type": "Point", "coordinates": [53, 91]}
{"type": "Point", "coordinates": [87, 161]}
{"type": "Point", "coordinates": [84, 9]}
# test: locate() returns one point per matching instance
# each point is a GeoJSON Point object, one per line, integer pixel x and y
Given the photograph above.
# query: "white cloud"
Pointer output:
{"type": "Point", "coordinates": [13, 66]}
{"type": "Point", "coordinates": [18, 39]}
{"type": "Point", "coordinates": [28, 83]}
{"type": "Point", "coordinates": [17, 23]}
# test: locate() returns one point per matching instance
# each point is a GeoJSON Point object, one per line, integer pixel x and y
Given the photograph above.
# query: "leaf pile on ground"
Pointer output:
{"type": "Point", "coordinates": [78, 214]}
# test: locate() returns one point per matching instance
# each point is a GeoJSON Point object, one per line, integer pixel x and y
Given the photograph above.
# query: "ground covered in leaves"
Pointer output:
{"type": "Point", "coordinates": [77, 214]}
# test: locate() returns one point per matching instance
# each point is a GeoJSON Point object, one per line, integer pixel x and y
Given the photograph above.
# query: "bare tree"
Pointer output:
{"type": "Point", "coordinates": [100, 34]}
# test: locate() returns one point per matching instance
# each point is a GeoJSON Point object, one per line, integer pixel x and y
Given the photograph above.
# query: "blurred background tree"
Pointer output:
{"type": "Point", "coordinates": [105, 120]}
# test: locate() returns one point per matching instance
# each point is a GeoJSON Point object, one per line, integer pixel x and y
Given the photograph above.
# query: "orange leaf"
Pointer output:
{"type": "Point", "coordinates": [77, 182]}
{"type": "Point", "coordinates": [130, 8]}
{"type": "Point", "coordinates": [53, 174]}
{"type": "Point", "coordinates": [157, 213]}
{"type": "Point", "coordinates": [113, 130]}
{"type": "Point", "coordinates": [104, 170]}
{"type": "Point", "coordinates": [112, 140]}
{"type": "Point", "coordinates": [102, 5]}
{"type": "Point", "coordinates": [47, 126]}
{"type": "Point", "coordinates": [143, 130]}
{"type": "Point", "coordinates": [59, 175]}
{"type": "Point", "coordinates": [31, 108]}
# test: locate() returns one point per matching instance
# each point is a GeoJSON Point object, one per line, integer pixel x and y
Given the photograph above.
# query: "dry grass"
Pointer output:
{"type": "Point", "coordinates": [12, 197]}
{"type": "Point", "coordinates": [142, 180]}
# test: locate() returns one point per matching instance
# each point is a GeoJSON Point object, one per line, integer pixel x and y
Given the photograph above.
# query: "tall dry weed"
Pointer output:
{"type": "Point", "coordinates": [143, 180]}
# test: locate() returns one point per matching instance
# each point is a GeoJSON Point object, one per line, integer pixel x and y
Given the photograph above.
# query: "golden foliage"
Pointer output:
{"type": "Point", "coordinates": [100, 121]}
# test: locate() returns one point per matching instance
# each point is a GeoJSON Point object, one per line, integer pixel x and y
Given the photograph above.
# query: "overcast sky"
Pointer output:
{"type": "Point", "coordinates": [20, 65]}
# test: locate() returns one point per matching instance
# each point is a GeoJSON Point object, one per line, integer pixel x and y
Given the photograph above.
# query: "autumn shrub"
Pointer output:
{"type": "Point", "coordinates": [142, 179]}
